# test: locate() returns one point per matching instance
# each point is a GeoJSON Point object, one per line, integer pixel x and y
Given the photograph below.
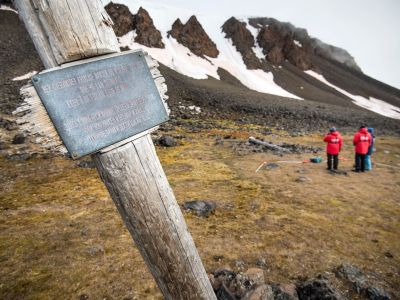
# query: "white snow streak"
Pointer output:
{"type": "Point", "coordinates": [254, 31]}
{"type": "Point", "coordinates": [5, 7]}
{"type": "Point", "coordinates": [25, 76]}
{"type": "Point", "coordinates": [373, 104]}
{"type": "Point", "coordinates": [297, 43]}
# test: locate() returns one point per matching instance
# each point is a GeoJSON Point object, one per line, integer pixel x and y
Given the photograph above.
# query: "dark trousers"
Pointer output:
{"type": "Point", "coordinates": [333, 159]}
{"type": "Point", "coordinates": [360, 162]}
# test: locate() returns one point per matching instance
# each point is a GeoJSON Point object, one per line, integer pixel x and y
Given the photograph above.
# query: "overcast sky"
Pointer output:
{"type": "Point", "coordinates": [368, 29]}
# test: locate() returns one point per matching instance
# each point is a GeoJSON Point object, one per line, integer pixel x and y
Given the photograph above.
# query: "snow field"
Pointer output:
{"type": "Point", "coordinates": [378, 106]}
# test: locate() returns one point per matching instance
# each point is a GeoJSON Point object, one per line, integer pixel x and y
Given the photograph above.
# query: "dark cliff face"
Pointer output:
{"type": "Point", "coordinates": [122, 18]}
{"type": "Point", "coordinates": [279, 43]}
{"type": "Point", "coordinates": [124, 22]}
{"type": "Point", "coordinates": [283, 41]}
{"type": "Point", "coordinates": [243, 40]}
{"type": "Point", "coordinates": [147, 34]}
{"type": "Point", "coordinates": [193, 36]}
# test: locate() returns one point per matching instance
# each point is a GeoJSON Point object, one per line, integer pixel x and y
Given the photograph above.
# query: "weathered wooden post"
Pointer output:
{"type": "Point", "coordinates": [71, 30]}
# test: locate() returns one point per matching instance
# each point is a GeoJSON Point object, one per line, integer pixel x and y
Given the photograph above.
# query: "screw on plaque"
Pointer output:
{"type": "Point", "coordinates": [75, 155]}
{"type": "Point", "coordinates": [35, 79]}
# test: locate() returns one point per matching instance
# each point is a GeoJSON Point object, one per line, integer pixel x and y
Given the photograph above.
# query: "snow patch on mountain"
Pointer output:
{"type": "Point", "coordinates": [373, 104]}
{"type": "Point", "coordinates": [231, 60]}
{"type": "Point", "coordinates": [25, 76]}
{"type": "Point", "coordinates": [297, 43]}
{"type": "Point", "coordinates": [175, 56]}
{"type": "Point", "coordinates": [5, 7]}
{"type": "Point", "coordinates": [258, 51]}
{"type": "Point", "coordinates": [181, 59]}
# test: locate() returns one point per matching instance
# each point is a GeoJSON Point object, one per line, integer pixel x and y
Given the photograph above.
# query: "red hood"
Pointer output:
{"type": "Point", "coordinates": [335, 133]}
{"type": "Point", "coordinates": [363, 130]}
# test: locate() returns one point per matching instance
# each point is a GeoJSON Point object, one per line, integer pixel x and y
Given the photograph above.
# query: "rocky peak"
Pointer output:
{"type": "Point", "coordinates": [147, 34]}
{"type": "Point", "coordinates": [243, 40]}
{"type": "Point", "coordinates": [124, 22]}
{"type": "Point", "coordinates": [193, 36]}
{"type": "Point", "coordinates": [122, 18]}
{"type": "Point", "coordinates": [281, 41]}
{"type": "Point", "coordinates": [176, 28]}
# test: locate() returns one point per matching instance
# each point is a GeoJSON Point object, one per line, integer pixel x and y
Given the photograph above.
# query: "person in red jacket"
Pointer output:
{"type": "Point", "coordinates": [361, 141]}
{"type": "Point", "coordinates": [334, 144]}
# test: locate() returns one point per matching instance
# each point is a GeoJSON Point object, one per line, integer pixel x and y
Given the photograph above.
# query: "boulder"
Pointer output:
{"type": "Point", "coordinates": [261, 262]}
{"type": "Point", "coordinates": [200, 208]}
{"type": "Point", "coordinates": [240, 264]}
{"type": "Point", "coordinates": [223, 278]}
{"type": "Point", "coordinates": [303, 179]}
{"type": "Point", "coordinates": [19, 138]}
{"type": "Point", "coordinates": [249, 285]}
{"type": "Point", "coordinates": [86, 164]}
{"type": "Point", "coordinates": [20, 156]}
{"type": "Point", "coordinates": [285, 292]}
{"type": "Point", "coordinates": [95, 250]}
{"type": "Point", "coordinates": [255, 276]}
{"type": "Point", "coordinates": [377, 293]}
{"type": "Point", "coordinates": [223, 293]}
{"type": "Point", "coordinates": [360, 282]}
{"type": "Point", "coordinates": [193, 36]}
{"type": "Point", "coordinates": [8, 124]}
{"type": "Point", "coordinates": [167, 141]}
{"type": "Point", "coordinates": [316, 289]}
{"type": "Point", "coordinates": [353, 275]}
{"type": "Point", "coordinates": [349, 272]}
{"type": "Point", "coordinates": [260, 292]}
{"type": "Point", "coordinates": [303, 171]}
{"type": "Point", "coordinates": [271, 166]}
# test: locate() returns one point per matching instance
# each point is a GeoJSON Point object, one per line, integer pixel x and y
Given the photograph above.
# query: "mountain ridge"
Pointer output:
{"type": "Point", "coordinates": [260, 53]}
{"type": "Point", "coordinates": [225, 96]}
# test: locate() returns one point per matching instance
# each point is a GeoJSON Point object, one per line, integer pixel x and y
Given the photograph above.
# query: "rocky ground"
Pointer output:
{"type": "Point", "coordinates": [227, 99]}
{"type": "Point", "coordinates": [291, 230]}
{"type": "Point", "coordinates": [17, 57]}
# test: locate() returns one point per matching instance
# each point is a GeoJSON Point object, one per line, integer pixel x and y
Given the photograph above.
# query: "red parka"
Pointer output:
{"type": "Point", "coordinates": [334, 142]}
{"type": "Point", "coordinates": [362, 140]}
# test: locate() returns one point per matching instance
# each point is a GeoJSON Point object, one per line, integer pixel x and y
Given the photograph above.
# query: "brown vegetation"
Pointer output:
{"type": "Point", "coordinates": [61, 235]}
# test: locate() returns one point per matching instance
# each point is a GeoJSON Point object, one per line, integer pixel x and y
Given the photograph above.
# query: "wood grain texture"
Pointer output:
{"type": "Point", "coordinates": [137, 183]}
{"type": "Point", "coordinates": [28, 15]}
{"type": "Point", "coordinates": [76, 29]}
{"type": "Point", "coordinates": [34, 121]}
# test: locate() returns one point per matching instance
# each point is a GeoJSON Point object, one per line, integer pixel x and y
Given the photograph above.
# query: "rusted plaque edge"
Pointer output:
{"type": "Point", "coordinates": [98, 102]}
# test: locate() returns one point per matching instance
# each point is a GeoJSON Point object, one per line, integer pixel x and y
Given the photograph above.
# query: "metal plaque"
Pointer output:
{"type": "Point", "coordinates": [96, 103]}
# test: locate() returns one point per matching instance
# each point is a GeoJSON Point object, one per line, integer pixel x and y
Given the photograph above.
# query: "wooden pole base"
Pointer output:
{"type": "Point", "coordinates": [140, 190]}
